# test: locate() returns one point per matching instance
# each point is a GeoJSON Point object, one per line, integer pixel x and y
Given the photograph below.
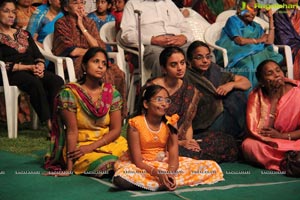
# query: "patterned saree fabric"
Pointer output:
{"type": "Point", "coordinates": [268, 151]}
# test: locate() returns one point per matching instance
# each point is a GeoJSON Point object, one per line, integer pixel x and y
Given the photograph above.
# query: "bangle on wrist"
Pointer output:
{"type": "Point", "coordinates": [152, 168]}
{"type": "Point", "coordinates": [84, 31]}
{"type": "Point", "coordinates": [254, 40]}
{"type": "Point", "coordinates": [271, 115]}
{"type": "Point", "coordinates": [271, 28]}
{"type": "Point", "coordinates": [289, 136]}
{"type": "Point", "coordinates": [18, 67]}
{"type": "Point", "coordinates": [105, 142]}
{"type": "Point", "coordinates": [171, 168]}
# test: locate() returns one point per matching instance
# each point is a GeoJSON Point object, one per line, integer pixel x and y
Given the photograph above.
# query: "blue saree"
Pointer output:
{"type": "Point", "coordinates": [40, 24]}
{"type": "Point", "coordinates": [243, 60]}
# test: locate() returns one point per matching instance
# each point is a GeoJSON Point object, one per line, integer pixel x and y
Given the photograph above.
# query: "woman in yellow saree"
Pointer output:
{"type": "Point", "coordinates": [91, 112]}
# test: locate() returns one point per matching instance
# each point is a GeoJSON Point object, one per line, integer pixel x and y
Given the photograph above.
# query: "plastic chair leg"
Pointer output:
{"type": "Point", "coordinates": [12, 112]}
{"type": "Point", "coordinates": [35, 121]}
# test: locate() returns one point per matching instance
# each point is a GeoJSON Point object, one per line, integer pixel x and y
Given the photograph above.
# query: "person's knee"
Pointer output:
{"type": "Point", "coordinates": [35, 85]}
{"type": "Point", "coordinates": [120, 182]}
{"type": "Point", "coordinates": [123, 184]}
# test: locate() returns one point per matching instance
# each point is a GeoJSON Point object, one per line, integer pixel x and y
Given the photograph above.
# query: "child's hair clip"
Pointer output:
{"type": "Point", "coordinates": [243, 12]}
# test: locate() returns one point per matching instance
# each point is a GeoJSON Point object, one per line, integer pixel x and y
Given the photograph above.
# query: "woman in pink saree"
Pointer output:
{"type": "Point", "coordinates": [273, 117]}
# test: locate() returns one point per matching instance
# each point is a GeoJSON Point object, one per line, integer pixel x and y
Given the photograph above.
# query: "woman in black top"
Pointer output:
{"type": "Point", "coordinates": [26, 65]}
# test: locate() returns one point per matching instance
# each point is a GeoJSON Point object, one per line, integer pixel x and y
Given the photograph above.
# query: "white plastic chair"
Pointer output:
{"type": "Point", "coordinates": [108, 36]}
{"type": "Point", "coordinates": [58, 60]}
{"type": "Point", "coordinates": [223, 16]}
{"type": "Point", "coordinates": [197, 23]}
{"type": "Point", "coordinates": [143, 74]}
{"type": "Point", "coordinates": [213, 33]}
{"type": "Point", "coordinates": [11, 94]}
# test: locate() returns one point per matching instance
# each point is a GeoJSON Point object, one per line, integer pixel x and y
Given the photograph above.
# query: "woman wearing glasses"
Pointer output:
{"type": "Point", "coordinates": [152, 162]}
{"type": "Point", "coordinates": [221, 110]}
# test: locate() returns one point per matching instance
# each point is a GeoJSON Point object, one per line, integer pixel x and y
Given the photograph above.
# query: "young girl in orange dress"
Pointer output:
{"type": "Point", "coordinates": [152, 162]}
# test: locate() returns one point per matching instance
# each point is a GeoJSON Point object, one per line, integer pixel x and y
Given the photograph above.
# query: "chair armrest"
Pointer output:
{"type": "Point", "coordinates": [70, 69]}
{"type": "Point", "coordinates": [132, 48]}
{"type": "Point", "coordinates": [58, 62]}
{"type": "Point", "coordinates": [224, 53]}
{"type": "Point", "coordinates": [289, 59]}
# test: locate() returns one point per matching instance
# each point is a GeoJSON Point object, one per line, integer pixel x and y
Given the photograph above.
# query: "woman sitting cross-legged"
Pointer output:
{"type": "Point", "coordinates": [91, 112]}
{"type": "Point", "coordinates": [273, 114]}
{"type": "Point", "coordinates": [220, 116]}
{"type": "Point", "coordinates": [152, 161]}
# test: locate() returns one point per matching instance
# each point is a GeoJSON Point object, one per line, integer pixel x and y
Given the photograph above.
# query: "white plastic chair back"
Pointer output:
{"type": "Point", "coordinates": [223, 16]}
{"type": "Point", "coordinates": [11, 94]}
{"type": "Point", "coordinates": [59, 61]}
{"type": "Point", "coordinates": [212, 34]}
{"type": "Point", "coordinates": [197, 23]}
{"type": "Point", "coordinates": [108, 33]}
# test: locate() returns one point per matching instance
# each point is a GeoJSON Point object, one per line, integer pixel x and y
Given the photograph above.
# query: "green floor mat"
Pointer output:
{"type": "Point", "coordinates": [20, 178]}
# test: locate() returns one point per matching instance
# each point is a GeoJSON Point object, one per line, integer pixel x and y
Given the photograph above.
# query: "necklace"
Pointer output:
{"type": "Point", "coordinates": [153, 132]}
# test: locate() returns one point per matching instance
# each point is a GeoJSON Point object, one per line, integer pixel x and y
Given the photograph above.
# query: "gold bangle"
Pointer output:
{"type": "Point", "coordinates": [271, 115]}
{"type": "Point", "coordinates": [85, 31]}
{"type": "Point", "coordinates": [289, 136]}
{"type": "Point", "coordinates": [105, 142]}
{"type": "Point", "coordinates": [152, 168]}
{"type": "Point", "coordinates": [255, 41]}
{"type": "Point", "coordinates": [18, 67]}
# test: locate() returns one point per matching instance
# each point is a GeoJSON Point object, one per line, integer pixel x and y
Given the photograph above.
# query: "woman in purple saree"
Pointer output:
{"type": "Point", "coordinates": [287, 31]}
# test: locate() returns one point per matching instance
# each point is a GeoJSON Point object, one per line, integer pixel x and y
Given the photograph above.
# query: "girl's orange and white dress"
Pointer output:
{"type": "Point", "coordinates": [153, 148]}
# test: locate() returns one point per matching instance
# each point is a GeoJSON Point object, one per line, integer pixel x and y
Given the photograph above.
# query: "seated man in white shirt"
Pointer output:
{"type": "Point", "coordinates": [162, 25]}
